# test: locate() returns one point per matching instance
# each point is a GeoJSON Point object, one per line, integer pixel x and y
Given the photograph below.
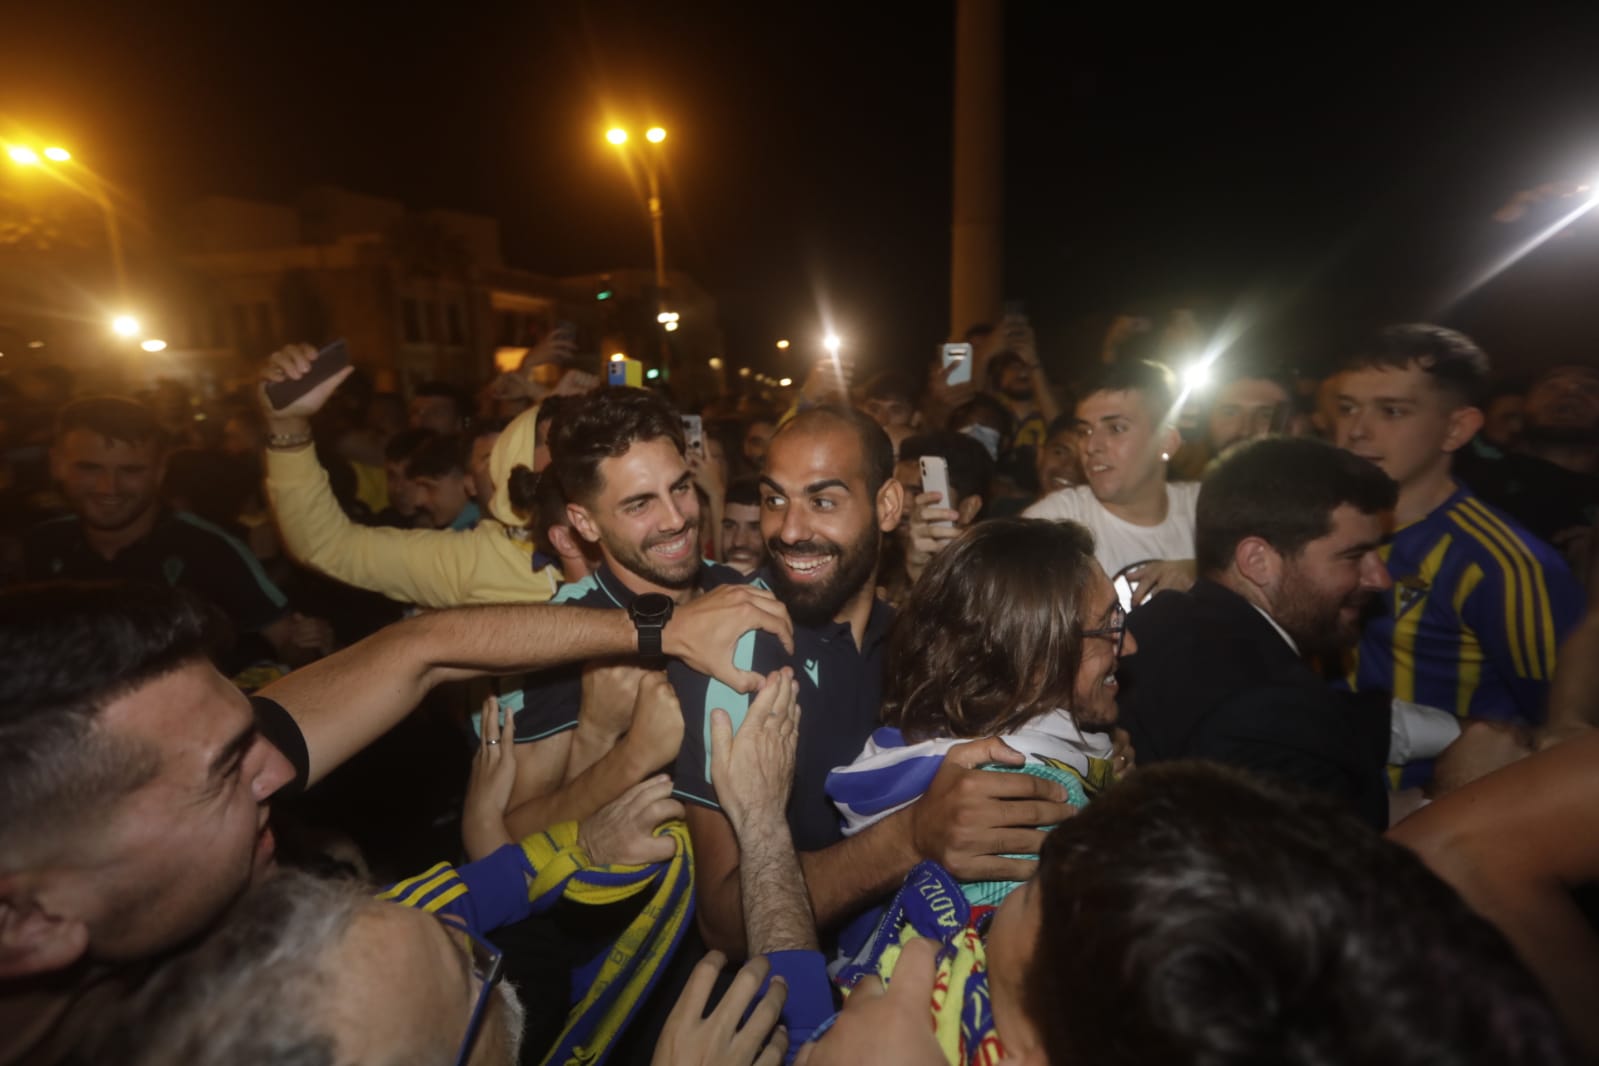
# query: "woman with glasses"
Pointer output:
{"type": "Point", "coordinates": [1013, 631]}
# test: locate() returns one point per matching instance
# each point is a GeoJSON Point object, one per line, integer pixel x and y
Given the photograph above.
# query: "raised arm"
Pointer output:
{"type": "Point", "coordinates": [429, 567]}
{"type": "Point", "coordinates": [968, 821]}
{"type": "Point", "coordinates": [344, 702]}
{"type": "Point", "coordinates": [1514, 844]}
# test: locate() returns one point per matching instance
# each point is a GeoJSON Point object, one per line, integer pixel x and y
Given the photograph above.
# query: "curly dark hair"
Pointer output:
{"type": "Point", "coordinates": [1196, 915]}
{"type": "Point", "coordinates": [990, 636]}
{"type": "Point", "coordinates": [602, 425]}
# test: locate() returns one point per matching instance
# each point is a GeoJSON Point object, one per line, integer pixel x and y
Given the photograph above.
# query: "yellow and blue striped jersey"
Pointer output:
{"type": "Point", "coordinates": [1477, 611]}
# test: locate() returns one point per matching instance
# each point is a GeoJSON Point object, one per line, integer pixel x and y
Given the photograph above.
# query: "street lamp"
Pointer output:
{"type": "Point", "coordinates": [782, 346]}
{"type": "Point", "coordinates": [154, 344]}
{"type": "Point", "coordinates": [22, 155]}
{"type": "Point", "coordinates": [125, 326]}
{"type": "Point", "coordinates": [650, 162]}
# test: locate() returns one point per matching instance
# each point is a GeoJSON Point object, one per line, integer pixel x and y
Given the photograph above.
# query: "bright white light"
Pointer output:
{"type": "Point", "coordinates": [125, 325]}
{"type": "Point", "coordinates": [832, 343]}
{"type": "Point", "coordinates": [785, 382]}
{"type": "Point", "coordinates": [24, 156]}
{"type": "Point", "coordinates": [667, 316]}
{"type": "Point", "coordinates": [671, 326]}
{"type": "Point", "coordinates": [782, 346]}
{"type": "Point", "coordinates": [617, 357]}
{"type": "Point", "coordinates": [57, 155]}
{"type": "Point", "coordinates": [616, 136]}
{"type": "Point", "coordinates": [154, 344]}
{"type": "Point", "coordinates": [655, 135]}
{"type": "Point", "coordinates": [1197, 376]}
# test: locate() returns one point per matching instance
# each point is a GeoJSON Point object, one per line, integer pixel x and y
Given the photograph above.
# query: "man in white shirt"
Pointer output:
{"type": "Point", "coordinates": [1126, 437]}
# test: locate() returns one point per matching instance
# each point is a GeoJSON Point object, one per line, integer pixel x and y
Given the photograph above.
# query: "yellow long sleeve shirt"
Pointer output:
{"type": "Point", "coordinates": [430, 568]}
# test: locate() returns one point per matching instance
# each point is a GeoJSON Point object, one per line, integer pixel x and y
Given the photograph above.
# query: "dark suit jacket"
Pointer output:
{"type": "Point", "coordinates": [1212, 679]}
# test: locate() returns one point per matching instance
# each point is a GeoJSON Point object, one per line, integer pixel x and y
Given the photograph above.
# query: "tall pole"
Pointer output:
{"type": "Point", "coordinates": [660, 259]}
{"type": "Point", "coordinates": [976, 236]}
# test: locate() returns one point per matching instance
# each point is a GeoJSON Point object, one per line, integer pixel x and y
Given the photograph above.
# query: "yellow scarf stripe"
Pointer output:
{"type": "Point", "coordinates": [402, 892]}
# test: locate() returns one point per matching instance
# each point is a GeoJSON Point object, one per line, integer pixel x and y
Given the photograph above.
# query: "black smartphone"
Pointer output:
{"type": "Point", "coordinates": [329, 361]}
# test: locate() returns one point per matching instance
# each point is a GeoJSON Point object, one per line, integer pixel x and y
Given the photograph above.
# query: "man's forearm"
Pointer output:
{"type": "Point", "coordinates": [777, 908]}
{"type": "Point", "coordinates": [344, 702]}
{"type": "Point", "coordinates": [841, 880]}
{"type": "Point", "coordinates": [858, 870]}
{"type": "Point", "coordinates": [615, 772]}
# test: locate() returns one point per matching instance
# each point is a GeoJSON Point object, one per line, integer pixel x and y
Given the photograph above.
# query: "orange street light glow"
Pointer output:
{"type": "Point", "coordinates": [57, 155]}
{"type": "Point", "coordinates": [655, 135]}
{"type": "Point", "coordinates": [154, 344]}
{"type": "Point", "coordinates": [124, 325]}
{"type": "Point", "coordinates": [24, 156]}
{"type": "Point", "coordinates": [616, 136]}
{"type": "Point", "coordinates": [782, 346]}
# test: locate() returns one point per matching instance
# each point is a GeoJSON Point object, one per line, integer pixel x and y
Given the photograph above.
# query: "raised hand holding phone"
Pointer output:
{"type": "Point", "coordinates": [297, 379]}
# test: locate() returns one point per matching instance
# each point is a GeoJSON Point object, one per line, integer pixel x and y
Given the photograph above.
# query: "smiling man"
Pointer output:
{"type": "Point", "coordinates": [108, 459]}
{"type": "Point", "coordinates": [743, 547]}
{"type": "Point", "coordinates": [1287, 539]}
{"type": "Point", "coordinates": [828, 499]}
{"type": "Point", "coordinates": [619, 455]}
{"type": "Point", "coordinates": [1479, 606]}
{"type": "Point", "coordinates": [1125, 439]}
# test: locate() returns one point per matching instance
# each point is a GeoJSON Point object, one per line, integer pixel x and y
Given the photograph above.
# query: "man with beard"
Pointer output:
{"type": "Point", "coordinates": [828, 499]}
{"type": "Point", "coordinates": [108, 459]}
{"type": "Point", "coordinates": [1287, 540]}
{"type": "Point", "coordinates": [619, 456]}
{"type": "Point", "coordinates": [743, 547]}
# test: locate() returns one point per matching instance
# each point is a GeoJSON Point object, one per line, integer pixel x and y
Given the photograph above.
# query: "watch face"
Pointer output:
{"type": "Point", "coordinates": [652, 608]}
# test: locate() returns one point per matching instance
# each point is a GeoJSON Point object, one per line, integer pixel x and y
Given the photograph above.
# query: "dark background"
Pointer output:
{"type": "Point", "coordinates": [1325, 167]}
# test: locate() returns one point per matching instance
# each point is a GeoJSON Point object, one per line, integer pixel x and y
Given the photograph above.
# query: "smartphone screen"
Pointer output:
{"type": "Point", "coordinates": [935, 478]}
{"type": "Point", "coordinates": [958, 356]}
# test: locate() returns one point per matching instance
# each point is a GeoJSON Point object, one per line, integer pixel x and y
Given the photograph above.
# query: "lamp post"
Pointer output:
{"type": "Point", "coordinates": [649, 161]}
{"type": "Point", "coordinates": [93, 188]}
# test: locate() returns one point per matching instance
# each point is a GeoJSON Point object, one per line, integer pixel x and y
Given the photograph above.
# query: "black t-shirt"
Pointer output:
{"type": "Point", "coordinates": [840, 697]}
{"type": "Point", "coordinates": [1545, 498]}
{"type": "Point", "coordinates": [550, 701]}
{"type": "Point", "coordinates": [181, 551]}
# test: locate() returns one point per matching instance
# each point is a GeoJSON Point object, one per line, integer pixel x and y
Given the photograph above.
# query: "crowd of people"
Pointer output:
{"type": "Point", "coordinates": [944, 721]}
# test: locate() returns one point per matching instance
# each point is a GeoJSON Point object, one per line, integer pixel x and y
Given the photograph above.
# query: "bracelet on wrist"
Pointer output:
{"type": "Point", "coordinates": [285, 441]}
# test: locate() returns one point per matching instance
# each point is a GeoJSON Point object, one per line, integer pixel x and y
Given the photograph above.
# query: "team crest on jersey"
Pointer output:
{"type": "Point", "coordinates": [1409, 591]}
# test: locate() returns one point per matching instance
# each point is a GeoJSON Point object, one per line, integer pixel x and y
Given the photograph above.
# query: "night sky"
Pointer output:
{"type": "Point", "coordinates": [1332, 167]}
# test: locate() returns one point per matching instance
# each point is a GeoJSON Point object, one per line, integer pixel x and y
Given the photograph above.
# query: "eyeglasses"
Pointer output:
{"type": "Point", "coordinates": [488, 965]}
{"type": "Point", "coordinates": [1116, 631]}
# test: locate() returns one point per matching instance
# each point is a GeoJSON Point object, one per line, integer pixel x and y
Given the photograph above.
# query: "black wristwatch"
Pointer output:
{"type": "Point", "coordinates": [650, 613]}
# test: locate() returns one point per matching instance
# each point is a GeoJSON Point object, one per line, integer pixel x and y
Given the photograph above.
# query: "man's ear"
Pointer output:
{"type": "Point", "coordinates": [565, 543]}
{"type": "Point", "coordinates": [890, 505]}
{"type": "Point", "coordinates": [969, 509]}
{"type": "Point", "coordinates": [583, 522]}
{"type": "Point", "coordinates": [1258, 562]}
{"type": "Point", "coordinates": [1464, 422]}
{"type": "Point", "coordinates": [469, 483]}
{"type": "Point", "coordinates": [32, 940]}
{"type": "Point", "coordinates": [1170, 441]}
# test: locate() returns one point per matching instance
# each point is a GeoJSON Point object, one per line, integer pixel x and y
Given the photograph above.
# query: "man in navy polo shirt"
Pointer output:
{"type": "Point", "coordinates": [619, 455]}
{"type": "Point", "coordinates": [828, 498]}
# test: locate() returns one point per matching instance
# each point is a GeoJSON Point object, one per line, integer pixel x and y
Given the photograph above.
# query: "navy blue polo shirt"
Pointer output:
{"type": "Point", "coordinates": [551, 700]}
{"type": "Point", "coordinates": [840, 696]}
{"type": "Point", "coordinates": [180, 551]}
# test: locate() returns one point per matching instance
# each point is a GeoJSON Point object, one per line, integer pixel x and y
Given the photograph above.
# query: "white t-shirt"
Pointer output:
{"type": "Point", "coordinates": [1117, 543]}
